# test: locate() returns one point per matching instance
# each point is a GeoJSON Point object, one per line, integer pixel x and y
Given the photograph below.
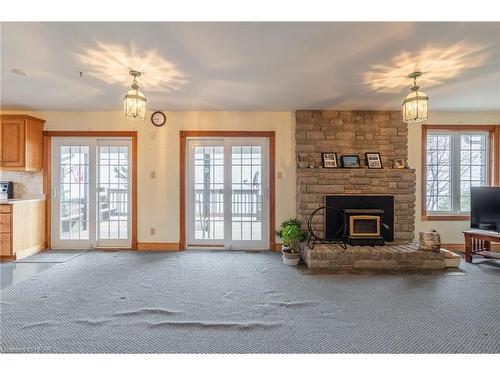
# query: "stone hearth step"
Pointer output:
{"type": "Point", "coordinates": [400, 257]}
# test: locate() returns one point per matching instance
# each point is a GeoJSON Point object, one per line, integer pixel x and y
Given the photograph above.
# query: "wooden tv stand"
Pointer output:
{"type": "Point", "coordinates": [478, 242]}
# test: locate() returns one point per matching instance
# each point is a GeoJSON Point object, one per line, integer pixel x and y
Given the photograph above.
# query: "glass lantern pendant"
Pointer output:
{"type": "Point", "coordinates": [134, 102]}
{"type": "Point", "coordinates": [415, 107]}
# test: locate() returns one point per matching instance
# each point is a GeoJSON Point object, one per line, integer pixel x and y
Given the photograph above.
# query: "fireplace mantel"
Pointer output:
{"type": "Point", "coordinates": [356, 181]}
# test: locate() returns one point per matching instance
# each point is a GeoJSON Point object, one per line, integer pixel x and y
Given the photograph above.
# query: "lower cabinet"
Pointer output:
{"type": "Point", "coordinates": [6, 232]}
{"type": "Point", "coordinates": [22, 229]}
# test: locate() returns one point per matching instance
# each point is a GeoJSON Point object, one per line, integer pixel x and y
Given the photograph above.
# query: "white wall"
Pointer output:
{"type": "Point", "coordinates": [158, 150]}
{"type": "Point", "coordinates": [451, 231]}
{"type": "Point", "coordinates": [158, 199]}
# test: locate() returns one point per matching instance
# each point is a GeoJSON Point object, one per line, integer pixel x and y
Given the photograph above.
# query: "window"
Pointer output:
{"type": "Point", "coordinates": [473, 156]}
{"type": "Point", "coordinates": [455, 160]}
{"type": "Point", "coordinates": [438, 181]}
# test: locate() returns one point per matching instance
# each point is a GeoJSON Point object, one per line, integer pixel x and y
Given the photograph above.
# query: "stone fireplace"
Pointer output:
{"type": "Point", "coordinates": [354, 133]}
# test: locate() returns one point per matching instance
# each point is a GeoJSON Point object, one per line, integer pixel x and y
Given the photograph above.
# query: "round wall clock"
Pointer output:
{"type": "Point", "coordinates": [158, 118]}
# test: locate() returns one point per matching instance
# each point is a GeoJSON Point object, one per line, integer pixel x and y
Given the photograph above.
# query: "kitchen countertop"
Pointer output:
{"type": "Point", "coordinates": [22, 200]}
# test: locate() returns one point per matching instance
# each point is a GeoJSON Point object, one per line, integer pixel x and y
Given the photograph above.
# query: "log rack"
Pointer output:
{"type": "Point", "coordinates": [339, 238]}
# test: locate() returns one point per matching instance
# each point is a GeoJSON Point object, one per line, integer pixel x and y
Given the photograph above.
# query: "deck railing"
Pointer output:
{"type": "Point", "coordinates": [246, 202]}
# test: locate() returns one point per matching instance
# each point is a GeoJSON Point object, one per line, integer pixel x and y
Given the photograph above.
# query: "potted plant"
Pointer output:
{"type": "Point", "coordinates": [292, 234]}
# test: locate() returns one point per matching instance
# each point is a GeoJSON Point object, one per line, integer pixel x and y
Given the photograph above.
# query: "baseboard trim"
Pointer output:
{"type": "Point", "coordinates": [277, 247]}
{"type": "Point", "coordinates": [30, 251]}
{"type": "Point", "coordinates": [175, 246]}
{"type": "Point", "coordinates": [7, 258]}
{"type": "Point", "coordinates": [461, 247]}
{"type": "Point", "coordinates": [158, 246]}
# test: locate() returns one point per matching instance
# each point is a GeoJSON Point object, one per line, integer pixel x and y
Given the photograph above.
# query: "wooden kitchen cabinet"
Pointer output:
{"type": "Point", "coordinates": [22, 228]}
{"type": "Point", "coordinates": [6, 252]}
{"type": "Point", "coordinates": [21, 143]}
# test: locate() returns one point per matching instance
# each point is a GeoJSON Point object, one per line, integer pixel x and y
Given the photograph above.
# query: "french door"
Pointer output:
{"type": "Point", "coordinates": [227, 193]}
{"type": "Point", "coordinates": [91, 190]}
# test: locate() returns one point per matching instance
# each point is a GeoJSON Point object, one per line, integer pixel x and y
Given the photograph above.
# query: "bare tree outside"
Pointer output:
{"type": "Point", "coordinates": [438, 172]}
{"type": "Point", "coordinates": [473, 165]}
{"type": "Point", "coordinates": [463, 155]}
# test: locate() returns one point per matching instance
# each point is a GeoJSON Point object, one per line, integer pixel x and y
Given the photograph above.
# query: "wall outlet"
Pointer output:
{"type": "Point", "coordinates": [279, 174]}
{"type": "Point", "coordinates": [153, 174]}
{"type": "Point", "coordinates": [152, 231]}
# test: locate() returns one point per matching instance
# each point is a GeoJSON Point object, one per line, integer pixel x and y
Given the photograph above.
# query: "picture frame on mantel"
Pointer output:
{"type": "Point", "coordinates": [329, 160]}
{"type": "Point", "coordinates": [373, 160]}
{"type": "Point", "coordinates": [350, 161]}
{"type": "Point", "coordinates": [399, 164]}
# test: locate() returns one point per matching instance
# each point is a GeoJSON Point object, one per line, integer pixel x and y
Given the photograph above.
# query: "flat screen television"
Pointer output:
{"type": "Point", "coordinates": [485, 208]}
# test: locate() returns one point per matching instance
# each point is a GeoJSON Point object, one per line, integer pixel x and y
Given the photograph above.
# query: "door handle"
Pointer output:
{"type": "Point", "coordinates": [54, 192]}
{"type": "Point", "coordinates": [266, 193]}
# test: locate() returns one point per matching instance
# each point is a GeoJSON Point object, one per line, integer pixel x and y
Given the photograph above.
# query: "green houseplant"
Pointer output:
{"type": "Point", "coordinates": [292, 235]}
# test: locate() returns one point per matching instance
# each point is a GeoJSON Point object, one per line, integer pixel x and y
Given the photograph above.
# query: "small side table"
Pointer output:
{"type": "Point", "coordinates": [478, 242]}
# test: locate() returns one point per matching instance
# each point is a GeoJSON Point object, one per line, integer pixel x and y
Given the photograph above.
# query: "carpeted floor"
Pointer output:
{"type": "Point", "coordinates": [237, 302]}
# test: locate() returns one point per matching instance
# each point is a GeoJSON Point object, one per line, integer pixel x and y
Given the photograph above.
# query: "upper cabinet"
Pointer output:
{"type": "Point", "coordinates": [21, 143]}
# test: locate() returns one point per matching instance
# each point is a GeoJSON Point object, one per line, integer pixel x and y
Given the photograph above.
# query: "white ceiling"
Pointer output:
{"type": "Point", "coordinates": [250, 66]}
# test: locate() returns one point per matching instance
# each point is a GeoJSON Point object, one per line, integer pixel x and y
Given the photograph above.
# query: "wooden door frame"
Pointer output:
{"type": "Point", "coordinates": [47, 174]}
{"type": "Point", "coordinates": [493, 164]}
{"type": "Point", "coordinates": [496, 150]}
{"type": "Point", "coordinates": [184, 134]}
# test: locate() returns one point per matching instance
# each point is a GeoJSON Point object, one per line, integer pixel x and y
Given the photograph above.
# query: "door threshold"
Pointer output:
{"type": "Point", "coordinates": [222, 248]}
{"type": "Point", "coordinates": [210, 247]}
{"type": "Point", "coordinates": [110, 249]}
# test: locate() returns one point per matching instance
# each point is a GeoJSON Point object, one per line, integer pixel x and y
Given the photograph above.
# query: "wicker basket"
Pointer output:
{"type": "Point", "coordinates": [430, 241]}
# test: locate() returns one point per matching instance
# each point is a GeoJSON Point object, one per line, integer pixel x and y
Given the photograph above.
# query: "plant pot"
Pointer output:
{"type": "Point", "coordinates": [290, 259]}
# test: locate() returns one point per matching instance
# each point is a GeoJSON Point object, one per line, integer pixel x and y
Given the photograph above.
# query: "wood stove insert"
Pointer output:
{"type": "Point", "coordinates": [334, 219]}
{"type": "Point", "coordinates": [362, 226]}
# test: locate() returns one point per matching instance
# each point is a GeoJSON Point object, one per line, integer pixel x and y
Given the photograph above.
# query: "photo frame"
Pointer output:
{"type": "Point", "coordinates": [399, 163]}
{"type": "Point", "coordinates": [373, 160]}
{"type": "Point", "coordinates": [329, 160]}
{"type": "Point", "coordinates": [350, 161]}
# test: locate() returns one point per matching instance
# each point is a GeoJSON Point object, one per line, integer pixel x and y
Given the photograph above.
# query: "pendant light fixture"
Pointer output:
{"type": "Point", "coordinates": [134, 102]}
{"type": "Point", "coordinates": [415, 107]}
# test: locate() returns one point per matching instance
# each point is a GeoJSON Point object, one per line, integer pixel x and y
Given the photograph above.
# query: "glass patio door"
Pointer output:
{"type": "Point", "coordinates": [207, 203]}
{"type": "Point", "coordinates": [227, 191]}
{"type": "Point", "coordinates": [113, 193]}
{"type": "Point", "coordinates": [73, 195]}
{"type": "Point", "coordinates": [91, 193]}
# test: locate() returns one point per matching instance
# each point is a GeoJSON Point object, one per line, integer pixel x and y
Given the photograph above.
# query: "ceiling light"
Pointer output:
{"type": "Point", "coordinates": [415, 107]}
{"type": "Point", "coordinates": [111, 63]}
{"type": "Point", "coordinates": [439, 62]}
{"type": "Point", "coordinates": [134, 102]}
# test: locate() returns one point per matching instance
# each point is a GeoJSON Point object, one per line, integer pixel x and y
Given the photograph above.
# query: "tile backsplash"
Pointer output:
{"type": "Point", "coordinates": [26, 184]}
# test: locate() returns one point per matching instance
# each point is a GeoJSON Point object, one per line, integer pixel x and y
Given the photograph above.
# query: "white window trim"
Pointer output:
{"type": "Point", "coordinates": [455, 168]}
